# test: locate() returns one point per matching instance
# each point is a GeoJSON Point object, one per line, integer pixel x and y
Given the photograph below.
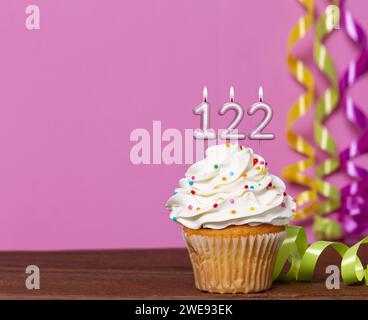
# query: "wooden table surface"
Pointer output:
{"type": "Point", "coordinates": [141, 274]}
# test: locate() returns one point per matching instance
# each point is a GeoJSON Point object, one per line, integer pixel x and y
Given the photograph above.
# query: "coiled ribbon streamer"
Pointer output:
{"type": "Point", "coordinates": [303, 258]}
{"type": "Point", "coordinates": [354, 209]}
{"type": "Point", "coordinates": [307, 200]}
{"type": "Point", "coordinates": [325, 106]}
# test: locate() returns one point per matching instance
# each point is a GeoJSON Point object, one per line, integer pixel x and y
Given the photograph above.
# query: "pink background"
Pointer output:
{"type": "Point", "coordinates": [72, 92]}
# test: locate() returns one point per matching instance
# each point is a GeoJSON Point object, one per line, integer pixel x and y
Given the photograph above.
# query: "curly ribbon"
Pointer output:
{"type": "Point", "coordinates": [306, 200]}
{"type": "Point", "coordinates": [326, 229]}
{"type": "Point", "coordinates": [303, 259]}
{"type": "Point", "coordinates": [325, 106]}
{"type": "Point", "coordinates": [354, 208]}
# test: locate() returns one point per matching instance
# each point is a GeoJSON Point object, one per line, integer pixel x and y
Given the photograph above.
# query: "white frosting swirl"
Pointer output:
{"type": "Point", "coordinates": [230, 186]}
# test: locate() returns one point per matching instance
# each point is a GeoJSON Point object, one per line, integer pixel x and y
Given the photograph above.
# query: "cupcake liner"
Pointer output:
{"type": "Point", "coordinates": [239, 264]}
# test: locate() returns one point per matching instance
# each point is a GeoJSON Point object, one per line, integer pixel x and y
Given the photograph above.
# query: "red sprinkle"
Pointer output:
{"type": "Point", "coordinates": [255, 161]}
{"type": "Point", "coordinates": [193, 177]}
{"type": "Point", "coordinates": [270, 185]}
{"type": "Point", "coordinates": [262, 162]}
{"type": "Point", "coordinates": [215, 205]}
{"type": "Point", "coordinates": [284, 194]}
{"type": "Point", "coordinates": [192, 192]}
{"type": "Point", "coordinates": [266, 163]}
{"type": "Point", "coordinates": [283, 204]}
{"type": "Point", "coordinates": [246, 187]}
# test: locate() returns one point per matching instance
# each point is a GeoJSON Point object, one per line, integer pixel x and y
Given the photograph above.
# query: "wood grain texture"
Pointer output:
{"type": "Point", "coordinates": [141, 274]}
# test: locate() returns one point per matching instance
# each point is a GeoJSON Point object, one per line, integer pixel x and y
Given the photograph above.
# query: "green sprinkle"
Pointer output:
{"type": "Point", "coordinates": [216, 166]}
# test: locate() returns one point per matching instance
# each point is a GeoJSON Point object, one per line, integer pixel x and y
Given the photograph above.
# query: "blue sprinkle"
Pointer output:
{"type": "Point", "coordinates": [191, 182]}
{"type": "Point", "coordinates": [252, 187]}
{"type": "Point", "coordinates": [174, 219]}
{"type": "Point", "coordinates": [174, 193]}
{"type": "Point", "coordinates": [231, 173]}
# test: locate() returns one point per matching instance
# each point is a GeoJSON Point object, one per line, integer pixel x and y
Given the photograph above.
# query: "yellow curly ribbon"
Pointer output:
{"type": "Point", "coordinates": [307, 200]}
{"type": "Point", "coordinates": [324, 108]}
{"type": "Point", "coordinates": [303, 259]}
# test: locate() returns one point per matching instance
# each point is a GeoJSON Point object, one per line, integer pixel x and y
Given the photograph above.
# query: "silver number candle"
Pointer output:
{"type": "Point", "coordinates": [257, 134]}
{"type": "Point", "coordinates": [203, 110]}
{"type": "Point", "coordinates": [229, 133]}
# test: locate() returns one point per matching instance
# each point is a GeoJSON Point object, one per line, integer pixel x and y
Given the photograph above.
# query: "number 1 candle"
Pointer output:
{"type": "Point", "coordinates": [203, 109]}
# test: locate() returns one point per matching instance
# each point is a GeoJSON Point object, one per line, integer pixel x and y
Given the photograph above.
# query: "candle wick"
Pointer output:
{"type": "Point", "coordinates": [231, 93]}
{"type": "Point", "coordinates": [205, 93]}
{"type": "Point", "coordinates": [260, 94]}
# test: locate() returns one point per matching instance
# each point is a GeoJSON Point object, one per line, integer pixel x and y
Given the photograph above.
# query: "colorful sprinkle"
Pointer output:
{"type": "Point", "coordinates": [232, 201]}
{"type": "Point", "coordinates": [284, 194]}
{"type": "Point", "coordinates": [215, 205]}
{"type": "Point", "coordinates": [283, 204]}
{"type": "Point", "coordinates": [216, 166]}
{"type": "Point", "coordinates": [246, 187]}
{"type": "Point", "coordinates": [262, 162]}
{"type": "Point", "coordinates": [244, 174]}
{"type": "Point", "coordinates": [264, 169]}
{"type": "Point", "coordinates": [192, 192]}
{"type": "Point", "coordinates": [266, 163]}
{"type": "Point", "coordinates": [255, 161]}
{"type": "Point", "coordinates": [224, 178]}
{"type": "Point", "coordinates": [231, 173]}
{"type": "Point", "coordinates": [251, 208]}
{"type": "Point", "coordinates": [269, 185]}
{"type": "Point", "coordinates": [174, 219]}
{"type": "Point", "coordinates": [174, 193]}
{"type": "Point", "coordinates": [252, 187]}
{"type": "Point", "coordinates": [193, 177]}
{"type": "Point", "coordinates": [191, 183]}
{"type": "Point", "coordinates": [258, 168]}
{"type": "Point", "coordinates": [190, 207]}
{"type": "Point", "coordinates": [198, 208]}
{"type": "Point", "coordinates": [227, 145]}
{"type": "Point", "coordinates": [233, 211]}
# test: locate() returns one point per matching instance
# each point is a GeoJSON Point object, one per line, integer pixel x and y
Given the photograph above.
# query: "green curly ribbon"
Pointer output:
{"type": "Point", "coordinates": [324, 108]}
{"type": "Point", "coordinates": [303, 259]}
{"type": "Point", "coordinates": [326, 228]}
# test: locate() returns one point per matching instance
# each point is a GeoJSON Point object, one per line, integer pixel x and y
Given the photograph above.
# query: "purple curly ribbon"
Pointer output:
{"type": "Point", "coordinates": [353, 213]}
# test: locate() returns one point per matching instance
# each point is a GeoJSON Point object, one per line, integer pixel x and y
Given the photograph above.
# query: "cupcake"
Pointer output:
{"type": "Point", "coordinates": [233, 213]}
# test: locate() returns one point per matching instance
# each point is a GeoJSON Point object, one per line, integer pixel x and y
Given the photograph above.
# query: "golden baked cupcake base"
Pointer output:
{"type": "Point", "coordinates": [237, 259]}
